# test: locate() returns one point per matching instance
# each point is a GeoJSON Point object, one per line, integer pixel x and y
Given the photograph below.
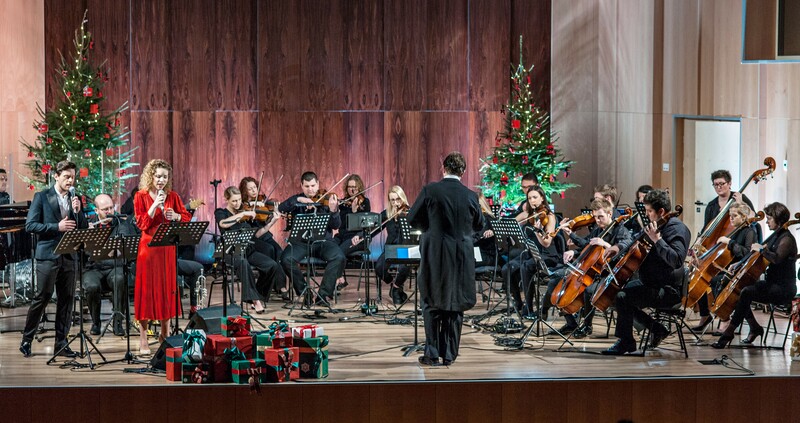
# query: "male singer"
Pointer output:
{"type": "Point", "coordinates": [448, 214]}
{"type": "Point", "coordinates": [54, 211]}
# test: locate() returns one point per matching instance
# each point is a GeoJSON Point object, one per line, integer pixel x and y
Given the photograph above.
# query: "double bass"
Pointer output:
{"type": "Point", "coordinates": [747, 273]}
{"type": "Point", "coordinates": [711, 263]}
{"type": "Point", "coordinates": [568, 294]}
{"type": "Point", "coordinates": [721, 224]}
{"type": "Point", "coordinates": [628, 265]}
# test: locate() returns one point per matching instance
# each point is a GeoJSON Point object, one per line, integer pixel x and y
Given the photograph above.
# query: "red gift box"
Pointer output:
{"type": "Point", "coordinates": [174, 364]}
{"type": "Point", "coordinates": [282, 364]}
{"type": "Point", "coordinates": [217, 344]}
{"type": "Point", "coordinates": [282, 340]}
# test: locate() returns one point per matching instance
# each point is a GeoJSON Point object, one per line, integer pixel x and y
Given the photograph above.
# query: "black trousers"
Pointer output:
{"type": "Point", "coordinates": [442, 331]}
{"type": "Point", "coordinates": [519, 270]}
{"type": "Point", "coordinates": [109, 278]}
{"type": "Point", "coordinates": [636, 296]}
{"type": "Point", "coordinates": [382, 270]}
{"type": "Point", "coordinates": [716, 287]}
{"type": "Point", "coordinates": [190, 270]}
{"type": "Point", "coordinates": [58, 275]}
{"type": "Point", "coordinates": [762, 292]}
{"type": "Point", "coordinates": [327, 251]}
{"type": "Point", "coordinates": [267, 246]}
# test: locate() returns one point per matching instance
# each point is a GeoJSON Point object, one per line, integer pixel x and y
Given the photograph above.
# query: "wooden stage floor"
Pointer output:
{"type": "Point", "coordinates": [369, 349]}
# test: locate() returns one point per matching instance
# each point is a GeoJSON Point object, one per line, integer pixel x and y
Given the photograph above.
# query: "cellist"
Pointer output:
{"type": "Point", "coordinates": [739, 245]}
{"type": "Point", "coordinates": [655, 286]}
{"type": "Point", "coordinates": [721, 179]}
{"type": "Point", "coordinates": [779, 285]}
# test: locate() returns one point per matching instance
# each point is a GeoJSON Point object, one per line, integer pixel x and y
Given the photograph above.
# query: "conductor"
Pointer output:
{"type": "Point", "coordinates": [448, 213]}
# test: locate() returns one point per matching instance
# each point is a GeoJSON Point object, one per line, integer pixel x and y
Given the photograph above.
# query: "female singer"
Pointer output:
{"type": "Point", "coordinates": [398, 206]}
{"type": "Point", "coordinates": [270, 272]}
{"type": "Point", "coordinates": [348, 240]}
{"type": "Point", "coordinates": [779, 284]}
{"type": "Point", "coordinates": [739, 244]}
{"type": "Point", "coordinates": [155, 292]}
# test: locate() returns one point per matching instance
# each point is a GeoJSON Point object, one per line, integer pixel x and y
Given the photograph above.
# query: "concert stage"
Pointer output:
{"type": "Point", "coordinates": [371, 380]}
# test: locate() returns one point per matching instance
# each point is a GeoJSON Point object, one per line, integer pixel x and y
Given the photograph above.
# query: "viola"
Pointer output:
{"type": "Point", "coordinates": [711, 263]}
{"type": "Point", "coordinates": [576, 223]}
{"type": "Point", "coordinates": [542, 214]}
{"type": "Point", "coordinates": [747, 274]}
{"type": "Point", "coordinates": [591, 263]}
{"type": "Point", "coordinates": [263, 212]}
{"type": "Point", "coordinates": [348, 201]}
{"type": "Point", "coordinates": [628, 265]}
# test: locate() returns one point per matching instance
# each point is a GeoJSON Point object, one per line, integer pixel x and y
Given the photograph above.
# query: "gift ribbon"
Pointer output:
{"type": "Point", "coordinates": [286, 362]}
{"type": "Point", "coordinates": [277, 327]}
{"type": "Point", "coordinates": [231, 354]}
{"type": "Point", "coordinates": [320, 356]}
{"type": "Point", "coordinates": [196, 341]}
{"type": "Point", "coordinates": [237, 326]}
{"type": "Point", "coordinates": [199, 374]}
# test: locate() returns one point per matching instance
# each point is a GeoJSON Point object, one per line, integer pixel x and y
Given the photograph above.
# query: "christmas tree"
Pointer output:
{"type": "Point", "coordinates": [526, 145]}
{"type": "Point", "coordinates": [78, 130]}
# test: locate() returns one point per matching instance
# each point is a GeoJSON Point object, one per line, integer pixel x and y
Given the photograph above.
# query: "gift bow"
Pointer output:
{"type": "Point", "coordinates": [195, 340]}
{"type": "Point", "coordinates": [233, 353]}
{"type": "Point", "coordinates": [199, 374]}
{"type": "Point", "coordinates": [320, 355]}
{"type": "Point", "coordinates": [238, 326]}
{"type": "Point", "coordinates": [279, 326]}
{"type": "Point", "coordinates": [286, 362]}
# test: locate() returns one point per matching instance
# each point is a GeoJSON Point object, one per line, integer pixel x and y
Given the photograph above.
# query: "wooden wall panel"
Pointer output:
{"type": "Point", "coordinates": [531, 19]}
{"type": "Point", "coordinates": [681, 56]}
{"type": "Point", "coordinates": [635, 55]}
{"type": "Point", "coordinates": [364, 138]}
{"type": "Point", "coordinates": [59, 35]}
{"type": "Point", "coordinates": [362, 66]}
{"type": "Point", "coordinates": [444, 132]}
{"type": "Point", "coordinates": [235, 36]}
{"type": "Point", "coordinates": [414, 408]}
{"type": "Point", "coordinates": [279, 57]}
{"type": "Point", "coordinates": [237, 148]}
{"type": "Point", "coordinates": [483, 128]}
{"type": "Point", "coordinates": [403, 163]}
{"type": "Point", "coordinates": [446, 47]}
{"type": "Point", "coordinates": [607, 56]}
{"type": "Point", "coordinates": [151, 51]}
{"type": "Point", "coordinates": [152, 133]}
{"type": "Point", "coordinates": [782, 97]}
{"type": "Point", "coordinates": [109, 23]}
{"type": "Point", "coordinates": [194, 158]}
{"type": "Point", "coordinates": [405, 24]}
{"type": "Point", "coordinates": [735, 85]}
{"type": "Point", "coordinates": [489, 47]}
{"type": "Point", "coordinates": [484, 408]}
{"type": "Point", "coordinates": [322, 55]}
{"type": "Point", "coordinates": [192, 56]}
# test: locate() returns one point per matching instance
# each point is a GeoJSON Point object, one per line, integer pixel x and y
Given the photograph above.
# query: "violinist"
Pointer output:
{"type": "Point", "coordinates": [619, 236]}
{"type": "Point", "coordinates": [398, 206]}
{"type": "Point", "coordinates": [484, 239]}
{"type": "Point", "coordinates": [655, 286]}
{"type": "Point", "coordinates": [528, 180]}
{"type": "Point", "coordinates": [739, 245]}
{"type": "Point", "coordinates": [353, 202]}
{"type": "Point", "coordinates": [270, 272]}
{"type": "Point", "coordinates": [779, 285]}
{"type": "Point", "coordinates": [538, 225]}
{"type": "Point", "coordinates": [312, 199]}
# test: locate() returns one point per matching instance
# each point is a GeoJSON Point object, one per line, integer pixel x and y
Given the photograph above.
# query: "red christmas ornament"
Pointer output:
{"type": "Point", "coordinates": [538, 125]}
{"type": "Point", "coordinates": [515, 123]}
{"type": "Point", "coordinates": [49, 140]}
{"type": "Point", "coordinates": [91, 47]}
{"type": "Point", "coordinates": [87, 153]}
{"type": "Point", "coordinates": [46, 169]}
{"type": "Point", "coordinates": [550, 150]}
{"type": "Point", "coordinates": [529, 79]}
{"type": "Point", "coordinates": [107, 135]}
{"type": "Point", "coordinates": [510, 149]}
{"type": "Point", "coordinates": [116, 122]}
{"type": "Point", "coordinates": [64, 72]}
{"type": "Point", "coordinates": [490, 200]}
{"type": "Point", "coordinates": [69, 94]}
{"type": "Point", "coordinates": [552, 178]}
{"type": "Point", "coordinates": [524, 159]}
{"type": "Point", "coordinates": [504, 179]}
{"type": "Point", "coordinates": [99, 94]}
{"type": "Point", "coordinates": [94, 109]}
{"type": "Point", "coordinates": [87, 91]}
{"type": "Point", "coordinates": [74, 118]}
{"type": "Point", "coordinates": [121, 172]}
{"type": "Point", "coordinates": [84, 172]}
{"type": "Point", "coordinates": [43, 128]}
{"type": "Point", "coordinates": [494, 159]}
{"type": "Point", "coordinates": [30, 154]}
{"type": "Point", "coordinates": [109, 152]}
{"type": "Point", "coordinates": [84, 58]}
{"type": "Point", "coordinates": [80, 135]}
{"type": "Point", "coordinates": [502, 193]}
{"type": "Point", "coordinates": [31, 187]}
{"type": "Point", "coordinates": [562, 195]}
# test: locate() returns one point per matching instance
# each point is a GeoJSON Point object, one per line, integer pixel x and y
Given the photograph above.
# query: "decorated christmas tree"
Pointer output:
{"type": "Point", "coordinates": [79, 130]}
{"type": "Point", "coordinates": [526, 145]}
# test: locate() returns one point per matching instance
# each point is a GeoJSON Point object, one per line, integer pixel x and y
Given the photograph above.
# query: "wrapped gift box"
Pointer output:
{"type": "Point", "coordinates": [307, 331]}
{"type": "Point", "coordinates": [236, 326]}
{"type": "Point", "coordinates": [282, 364]}
{"type": "Point", "coordinates": [282, 340]}
{"type": "Point", "coordinates": [313, 356]}
{"type": "Point", "coordinates": [217, 344]}
{"type": "Point", "coordinates": [241, 370]}
{"type": "Point", "coordinates": [174, 364]}
{"type": "Point", "coordinates": [194, 341]}
{"type": "Point", "coordinates": [195, 373]}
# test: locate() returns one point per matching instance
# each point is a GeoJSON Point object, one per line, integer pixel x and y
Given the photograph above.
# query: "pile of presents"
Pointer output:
{"type": "Point", "coordinates": [278, 354]}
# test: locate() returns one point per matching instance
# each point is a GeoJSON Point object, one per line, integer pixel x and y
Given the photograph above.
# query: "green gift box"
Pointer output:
{"type": "Point", "coordinates": [313, 356]}
{"type": "Point", "coordinates": [241, 370]}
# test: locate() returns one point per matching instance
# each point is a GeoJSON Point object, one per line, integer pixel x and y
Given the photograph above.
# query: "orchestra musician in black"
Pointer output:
{"type": "Point", "coordinates": [398, 206]}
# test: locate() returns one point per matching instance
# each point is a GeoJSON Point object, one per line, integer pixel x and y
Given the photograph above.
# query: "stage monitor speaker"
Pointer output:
{"type": "Point", "coordinates": [210, 319]}
{"type": "Point", "coordinates": [159, 360]}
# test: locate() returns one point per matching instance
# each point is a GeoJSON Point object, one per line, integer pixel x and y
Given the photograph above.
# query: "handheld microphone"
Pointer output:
{"type": "Point", "coordinates": [161, 206]}
{"type": "Point", "coordinates": [71, 192]}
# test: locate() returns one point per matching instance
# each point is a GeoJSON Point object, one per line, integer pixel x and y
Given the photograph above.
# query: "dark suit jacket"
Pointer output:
{"type": "Point", "coordinates": [43, 218]}
{"type": "Point", "coordinates": [449, 214]}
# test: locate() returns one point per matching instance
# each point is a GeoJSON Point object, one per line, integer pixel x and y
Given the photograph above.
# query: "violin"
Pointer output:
{"type": "Point", "coordinates": [348, 202]}
{"type": "Point", "coordinates": [576, 223]}
{"type": "Point", "coordinates": [542, 214]}
{"type": "Point", "coordinates": [264, 211]}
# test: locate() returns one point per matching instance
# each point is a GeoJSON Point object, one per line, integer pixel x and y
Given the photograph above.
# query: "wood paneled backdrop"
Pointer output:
{"type": "Point", "coordinates": [381, 88]}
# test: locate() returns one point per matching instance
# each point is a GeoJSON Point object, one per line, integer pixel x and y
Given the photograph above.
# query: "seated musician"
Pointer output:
{"type": "Point", "coordinates": [779, 285]}
{"type": "Point", "coordinates": [537, 212]}
{"type": "Point", "coordinates": [619, 236]}
{"type": "Point", "coordinates": [264, 244]}
{"type": "Point", "coordinates": [232, 218]}
{"type": "Point", "coordinates": [350, 241]}
{"type": "Point", "coordinates": [484, 239]}
{"type": "Point", "coordinates": [4, 197]}
{"type": "Point", "coordinates": [655, 286]}
{"type": "Point", "coordinates": [528, 180]}
{"type": "Point", "coordinates": [398, 206]}
{"type": "Point", "coordinates": [609, 193]}
{"type": "Point", "coordinates": [106, 274]}
{"type": "Point", "coordinates": [326, 250]}
{"type": "Point", "coordinates": [739, 245]}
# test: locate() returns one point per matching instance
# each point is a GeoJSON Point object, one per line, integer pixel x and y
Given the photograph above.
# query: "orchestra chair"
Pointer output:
{"type": "Point", "coordinates": [218, 278]}
{"type": "Point", "coordinates": [312, 269]}
{"type": "Point", "coordinates": [771, 323]}
{"type": "Point", "coordinates": [486, 276]}
{"type": "Point", "coordinates": [671, 317]}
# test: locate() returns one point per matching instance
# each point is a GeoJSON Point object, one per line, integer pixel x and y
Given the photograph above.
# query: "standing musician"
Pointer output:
{"type": "Point", "coordinates": [53, 211]}
{"type": "Point", "coordinates": [721, 179]}
{"type": "Point", "coordinates": [109, 272]}
{"type": "Point", "coordinates": [619, 236]}
{"type": "Point", "coordinates": [264, 244]}
{"type": "Point", "coordinates": [327, 250]}
{"type": "Point", "coordinates": [654, 288]}
{"type": "Point", "coordinates": [448, 213]}
{"type": "Point", "coordinates": [349, 240]}
{"type": "Point", "coordinates": [779, 285]}
{"type": "Point", "coordinates": [537, 212]}
{"type": "Point", "coordinates": [156, 276]}
{"type": "Point", "coordinates": [398, 206]}
{"type": "Point", "coordinates": [528, 180]}
{"type": "Point", "coordinates": [739, 245]}
{"type": "Point", "coordinates": [270, 272]}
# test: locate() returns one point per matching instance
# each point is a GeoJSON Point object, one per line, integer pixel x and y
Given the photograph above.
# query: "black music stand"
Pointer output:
{"type": "Point", "coordinates": [231, 241]}
{"type": "Point", "coordinates": [78, 241]}
{"type": "Point", "coordinates": [399, 254]}
{"type": "Point", "coordinates": [308, 229]}
{"type": "Point", "coordinates": [366, 222]}
{"type": "Point", "coordinates": [642, 213]}
{"type": "Point", "coordinates": [507, 234]}
{"type": "Point", "coordinates": [175, 234]}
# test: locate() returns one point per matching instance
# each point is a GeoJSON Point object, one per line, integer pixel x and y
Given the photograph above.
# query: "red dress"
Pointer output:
{"type": "Point", "coordinates": [154, 295]}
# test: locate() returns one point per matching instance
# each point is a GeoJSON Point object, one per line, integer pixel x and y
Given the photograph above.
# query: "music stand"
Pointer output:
{"type": "Point", "coordinates": [231, 240]}
{"type": "Point", "coordinates": [642, 213]}
{"type": "Point", "coordinates": [176, 234]}
{"type": "Point", "coordinates": [308, 229]}
{"type": "Point", "coordinates": [507, 235]}
{"type": "Point", "coordinates": [80, 240]}
{"type": "Point", "coordinates": [365, 222]}
{"type": "Point", "coordinates": [400, 254]}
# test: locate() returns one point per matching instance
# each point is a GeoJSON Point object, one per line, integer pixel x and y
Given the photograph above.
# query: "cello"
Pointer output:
{"type": "Point", "coordinates": [568, 294]}
{"type": "Point", "coordinates": [711, 263]}
{"type": "Point", "coordinates": [747, 273]}
{"type": "Point", "coordinates": [721, 224]}
{"type": "Point", "coordinates": [628, 265]}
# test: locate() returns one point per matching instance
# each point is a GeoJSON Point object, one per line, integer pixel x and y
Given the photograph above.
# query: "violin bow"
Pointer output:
{"type": "Point", "coordinates": [273, 187]}
{"type": "Point", "coordinates": [330, 191]}
{"type": "Point", "coordinates": [361, 192]}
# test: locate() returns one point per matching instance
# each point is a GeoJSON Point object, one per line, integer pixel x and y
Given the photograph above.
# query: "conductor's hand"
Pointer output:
{"type": "Point", "coordinates": [76, 204]}
{"type": "Point", "coordinates": [66, 225]}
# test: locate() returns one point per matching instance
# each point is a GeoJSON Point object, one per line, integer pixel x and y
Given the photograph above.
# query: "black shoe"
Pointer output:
{"type": "Point", "coordinates": [342, 286]}
{"type": "Point", "coordinates": [66, 352]}
{"type": "Point", "coordinates": [321, 302]}
{"type": "Point", "coordinates": [657, 335]}
{"type": "Point", "coordinates": [25, 349]}
{"type": "Point", "coordinates": [564, 330]}
{"type": "Point", "coordinates": [723, 342]}
{"type": "Point", "coordinates": [621, 348]}
{"type": "Point", "coordinates": [447, 362]}
{"type": "Point", "coordinates": [703, 323]}
{"type": "Point", "coordinates": [95, 330]}
{"type": "Point", "coordinates": [755, 333]}
{"type": "Point", "coordinates": [118, 330]}
{"type": "Point", "coordinates": [582, 332]}
{"type": "Point", "coordinates": [427, 361]}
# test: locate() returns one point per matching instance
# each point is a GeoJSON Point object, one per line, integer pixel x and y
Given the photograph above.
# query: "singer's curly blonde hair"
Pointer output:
{"type": "Point", "coordinates": [149, 172]}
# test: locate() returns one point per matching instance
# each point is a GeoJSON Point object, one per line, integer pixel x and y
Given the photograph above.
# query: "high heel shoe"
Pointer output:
{"type": "Point", "coordinates": [703, 323]}
{"type": "Point", "coordinates": [723, 342]}
{"type": "Point", "coordinates": [755, 333]}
